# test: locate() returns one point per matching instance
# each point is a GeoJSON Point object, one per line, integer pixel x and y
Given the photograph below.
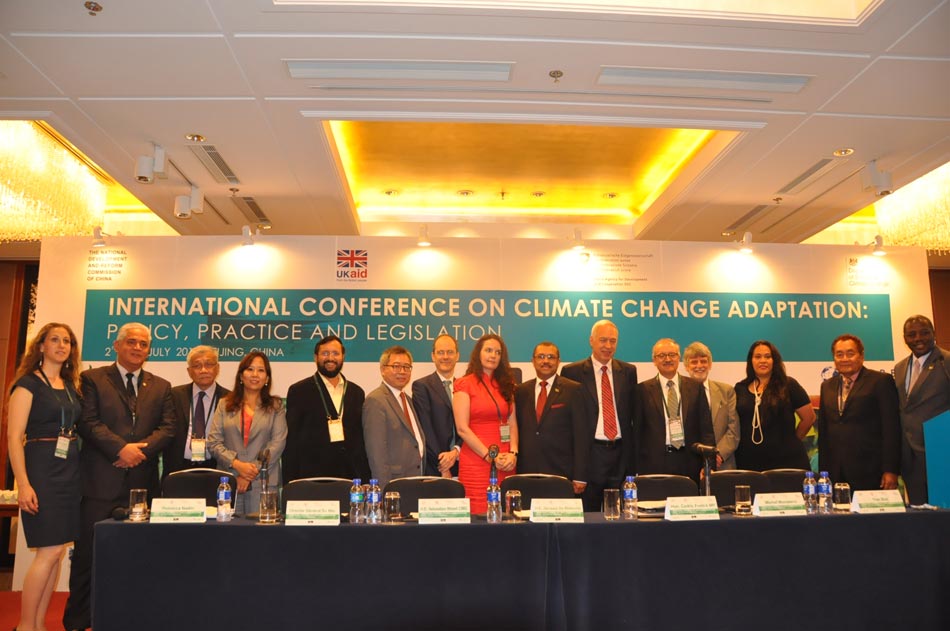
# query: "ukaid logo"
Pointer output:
{"type": "Point", "coordinates": [352, 265]}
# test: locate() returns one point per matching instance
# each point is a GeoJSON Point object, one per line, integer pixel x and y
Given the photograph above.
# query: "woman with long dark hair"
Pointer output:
{"type": "Point", "coordinates": [767, 401]}
{"type": "Point", "coordinates": [43, 410]}
{"type": "Point", "coordinates": [249, 421]}
{"type": "Point", "coordinates": [484, 415]}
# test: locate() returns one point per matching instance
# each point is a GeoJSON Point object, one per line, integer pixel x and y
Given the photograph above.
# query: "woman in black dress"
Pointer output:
{"type": "Point", "coordinates": [767, 401]}
{"type": "Point", "coordinates": [43, 411]}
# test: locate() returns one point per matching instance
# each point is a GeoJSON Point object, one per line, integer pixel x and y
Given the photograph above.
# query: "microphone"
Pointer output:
{"type": "Point", "coordinates": [120, 513]}
{"type": "Point", "coordinates": [706, 451]}
{"type": "Point", "coordinates": [264, 460]}
{"type": "Point", "coordinates": [493, 453]}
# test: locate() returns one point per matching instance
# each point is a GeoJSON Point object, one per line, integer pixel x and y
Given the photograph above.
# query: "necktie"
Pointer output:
{"type": "Point", "coordinates": [542, 399]}
{"type": "Point", "coordinates": [130, 386]}
{"type": "Point", "coordinates": [448, 388]}
{"type": "Point", "coordinates": [673, 410]}
{"type": "Point", "coordinates": [405, 411]}
{"type": "Point", "coordinates": [198, 422]}
{"type": "Point", "coordinates": [607, 405]}
{"type": "Point", "coordinates": [914, 374]}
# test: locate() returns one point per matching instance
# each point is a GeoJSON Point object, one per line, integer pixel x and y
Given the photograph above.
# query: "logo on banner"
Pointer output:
{"type": "Point", "coordinates": [352, 265]}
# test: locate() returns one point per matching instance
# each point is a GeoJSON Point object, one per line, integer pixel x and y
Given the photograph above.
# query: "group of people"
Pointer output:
{"type": "Point", "coordinates": [592, 422]}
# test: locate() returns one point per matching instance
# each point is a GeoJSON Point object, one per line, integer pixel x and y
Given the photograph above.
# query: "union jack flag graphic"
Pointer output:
{"type": "Point", "coordinates": [352, 259]}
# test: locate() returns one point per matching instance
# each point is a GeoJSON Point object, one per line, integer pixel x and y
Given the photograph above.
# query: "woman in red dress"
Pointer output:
{"type": "Point", "coordinates": [485, 416]}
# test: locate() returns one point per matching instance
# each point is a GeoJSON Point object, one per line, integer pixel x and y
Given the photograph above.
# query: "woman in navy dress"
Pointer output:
{"type": "Point", "coordinates": [43, 410]}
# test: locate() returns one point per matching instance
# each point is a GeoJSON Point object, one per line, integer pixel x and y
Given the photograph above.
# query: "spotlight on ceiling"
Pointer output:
{"type": "Point", "coordinates": [876, 180]}
{"type": "Point", "coordinates": [196, 200]}
{"type": "Point", "coordinates": [148, 167]}
{"type": "Point", "coordinates": [423, 241]}
{"type": "Point", "coordinates": [577, 242]}
{"type": "Point", "coordinates": [745, 246]}
{"type": "Point", "coordinates": [183, 207]}
{"type": "Point", "coordinates": [878, 246]}
{"type": "Point", "coordinates": [246, 237]}
{"type": "Point", "coordinates": [97, 237]}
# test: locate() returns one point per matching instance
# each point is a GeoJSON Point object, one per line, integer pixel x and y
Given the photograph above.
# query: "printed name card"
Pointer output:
{"type": "Point", "coordinates": [312, 513]}
{"type": "Point", "coordinates": [178, 510]}
{"type": "Point", "coordinates": [877, 502]}
{"type": "Point", "coordinates": [547, 510]}
{"type": "Point", "coordinates": [778, 504]}
{"type": "Point", "coordinates": [691, 508]}
{"type": "Point", "coordinates": [445, 511]}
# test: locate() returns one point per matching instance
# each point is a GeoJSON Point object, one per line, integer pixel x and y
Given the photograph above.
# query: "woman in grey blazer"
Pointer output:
{"type": "Point", "coordinates": [249, 421]}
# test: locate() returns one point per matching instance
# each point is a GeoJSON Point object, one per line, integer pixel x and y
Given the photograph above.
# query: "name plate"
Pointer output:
{"type": "Point", "coordinates": [877, 502]}
{"type": "Point", "coordinates": [445, 510]}
{"type": "Point", "coordinates": [312, 513]}
{"type": "Point", "coordinates": [178, 510]}
{"type": "Point", "coordinates": [778, 504]}
{"type": "Point", "coordinates": [691, 508]}
{"type": "Point", "coordinates": [548, 510]}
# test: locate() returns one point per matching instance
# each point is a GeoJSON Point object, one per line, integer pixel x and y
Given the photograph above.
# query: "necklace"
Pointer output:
{"type": "Point", "coordinates": [756, 418]}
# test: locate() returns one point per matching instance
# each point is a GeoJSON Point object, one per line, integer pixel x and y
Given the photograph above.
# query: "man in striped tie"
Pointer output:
{"type": "Point", "coordinates": [611, 390]}
{"type": "Point", "coordinates": [432, 398]}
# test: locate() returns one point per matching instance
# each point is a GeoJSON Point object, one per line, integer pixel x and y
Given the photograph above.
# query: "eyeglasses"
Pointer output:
{"type": "Point", "coordinates": [543, 356]}
{"type": "Point", "coordinates": [203, 365]}
{"type": "Point", "coordinates": [400, 367]}
{"type": "Point", "coordinates": [666, 356]}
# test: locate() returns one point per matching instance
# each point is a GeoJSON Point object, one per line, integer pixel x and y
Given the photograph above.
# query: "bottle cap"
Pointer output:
{"type": "Point", "coordinates": [357, 481]}
{"type": "Point", "coordinates": [824, 474]}
{"type": "Point", "coordinates": [224, 479]}
{"type": "Point", "coordinates": [373, 481]}
{"type": "Point", "coordinates": [629, 478]}
{"type": "Point", "coordinates": [493, 480]}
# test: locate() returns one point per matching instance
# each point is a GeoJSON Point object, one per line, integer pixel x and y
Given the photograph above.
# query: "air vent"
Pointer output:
{"type": "Point", "coordinates": [251, 210]}
{"type": "Point", "coordinates": [212, 160]}
{"type": "Point", "coordinates": [696, 79]}
{"type": "Point", "coordinates": [811, 175]}
{"type": "Point", "coordinates": [398, 69]}
{"type": "Point", "coordinates": [748, 218]}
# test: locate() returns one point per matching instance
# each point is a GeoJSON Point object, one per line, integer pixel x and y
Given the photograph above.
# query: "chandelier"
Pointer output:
{"type": "Point", "coordinates": [919, 213]}
{"type": "Point", "coordinates": [45, 189]}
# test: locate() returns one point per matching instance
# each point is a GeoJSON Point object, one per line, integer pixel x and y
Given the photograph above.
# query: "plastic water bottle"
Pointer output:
{"type": "Point", "coordinates": [357, 501]}
{"type": "Point", "coordinates": [629, 498]}
{"type": "Point", "coordinates": [224, 500]}
{"type": "Point", "coordinates": [809, 492]}
{"type": "Point", "coordinates": [824, 493]}
{"type": "Point", "coordinates": [374, 510]}
{"type": "Point", "coordinates": [494, 502]}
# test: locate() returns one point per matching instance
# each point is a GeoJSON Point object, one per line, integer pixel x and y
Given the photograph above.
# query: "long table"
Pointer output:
{"type": "Point", "coordinates": [840, 572]}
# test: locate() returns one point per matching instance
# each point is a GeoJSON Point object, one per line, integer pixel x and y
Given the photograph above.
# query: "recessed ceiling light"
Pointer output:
{"type": "Point", "coordinates": [537, 194]}
{"type": "Point", "coordinates": [465, 193]}
{"type": "Point", "coordinates": [93, 7]}
{"type": "Point", "coordinates": [391, 192]}
{"type": "Point", "coordinates": [610, 195]}
{"type": "Point", "coordinates": [193, 137]}
{"type": "Point", "coordinates": [843, 152]}
{"type": "Point", "coordinates": [727, 233]}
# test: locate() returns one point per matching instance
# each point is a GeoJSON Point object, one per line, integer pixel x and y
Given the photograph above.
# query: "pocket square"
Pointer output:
{"type": "Point", "coordinates": [558, 405]}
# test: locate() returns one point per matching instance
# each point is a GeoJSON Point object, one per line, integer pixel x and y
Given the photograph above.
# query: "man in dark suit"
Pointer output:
{"type": "Point", "coordinates": [324, 420]}
{"type": "Point", "coordinates": [553, 431]}
{"type": "Point", "coordinates": [858, 421]}
{"type": "Point", "coordinates": [674, 416]}
{"type": "Point", "coordinates": [127, 419]}
{"type": "Point", "coordinates": [194, 405]}
{"type": "Point", "coordinates": [432, 398]}
{"type": "Point", "coordinates": [395, 444]}
{"type": "Point", "coordinates": [611, 390]}
{"type": "Point", "coordinates": [923, 391]}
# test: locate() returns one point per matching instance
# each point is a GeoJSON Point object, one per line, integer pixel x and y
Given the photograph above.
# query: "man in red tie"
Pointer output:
{"type": "Point", "coordinates": [553, 430]}
{"type": "Point", "coordinates": [611, 389]}
{"type": "Point", "coordinates": [395, 443]}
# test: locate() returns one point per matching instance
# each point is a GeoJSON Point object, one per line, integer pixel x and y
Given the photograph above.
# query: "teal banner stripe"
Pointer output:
{"type": "Point", "coordinates": [286, 323]}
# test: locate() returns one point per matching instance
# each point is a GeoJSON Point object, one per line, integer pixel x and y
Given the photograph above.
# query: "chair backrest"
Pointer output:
{"type": "Point", "coordinates": [723, 484]}
{"type": "Point", "coordinates": [785, 480]}
{"type": "Point", "coordinates": [541, 485]}
{"type": "Point", "coordinates": [413, 488]}
{"type": "Point", "coordinates": [199, 482]}
{"type": "Point", "coordinates": [318, 489]}
{"type": "Point", "coordinates": [659, 486]}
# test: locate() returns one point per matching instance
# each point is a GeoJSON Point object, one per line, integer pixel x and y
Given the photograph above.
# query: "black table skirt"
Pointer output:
{"type": "Point", "coordinates": [862, 571]}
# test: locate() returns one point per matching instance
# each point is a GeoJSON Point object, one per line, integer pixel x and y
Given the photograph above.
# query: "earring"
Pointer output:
{"type": "Point", "coordinates": [41, 361]}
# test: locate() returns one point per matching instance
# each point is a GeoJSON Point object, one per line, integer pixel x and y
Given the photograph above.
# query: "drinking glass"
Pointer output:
{"type": "Point", "coordinates": [611, 504]}
{"type": "Point", "coordinates": [138, 505]}
{"type": "Point", "coordinates": [743, 500]}
{"type": "Point", "coordinates": [268, 513]}
{"type": "Point", "coordinates": [512, 503]}
{"type": "Point", "coordinates": [391, 508]}
{"type": "Point", "coordinates": [841, 497]}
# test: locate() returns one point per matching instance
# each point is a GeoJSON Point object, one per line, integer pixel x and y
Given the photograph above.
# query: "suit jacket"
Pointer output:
{"type": "Point", "coordinates": [309, 452]}
{"type": "Point", "coordinates": [725, 419]}
{"type": "Point", "coordinates": [173, 457]}
{"type": "Point", "coordinates": [268, 431]}
{"type": "Point", "coordinates": [434, 410]}
{"type": "Point", "coordinates": [697, 427]}
{"type": "Point", "coordinates": [391, 445]}
{"type": "Point", "coordinates": [107, 425]}
{"type": "Point", "coordinates": [929, 397]}
{"type": "Point", "coordinates": [624, 379]}
{"type": "Point", "coordinates": [558, 444]}
{"type": "Point", "coordinates": [862, 442]}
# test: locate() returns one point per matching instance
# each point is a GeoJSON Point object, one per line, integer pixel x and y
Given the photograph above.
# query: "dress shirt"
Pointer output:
{"type": "Point", "coordinates": [665, 389]}
{"type": "Point", "coordinates": [336, 392]}
{"type": "Point", "coordinates": [598, 372]}
{"type": "Point", "coordinates": [910, 369]}
{"type": "Point", "coordinates": [136, 375]}
{"type": "Point", "coordinates": [208, 400]}
{"type": "Point", "coordinates": [413, 421]}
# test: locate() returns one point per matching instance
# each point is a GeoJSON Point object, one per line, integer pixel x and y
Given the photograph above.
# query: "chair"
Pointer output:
{"type": "Point", "coordinates": [317, 489]}
{"type": "Point", "coordinates": [659, 486]}
{"type": "Point", "coordinates": [412, 489]}
{"type": "Point", "coordinates": [785, 480]}
{"type": "Point", "coordinates": [723, 484]}
{"type": "Point", "coordinates": [538, 485]}
{"type": "Point", "coordinates": [200, 482]}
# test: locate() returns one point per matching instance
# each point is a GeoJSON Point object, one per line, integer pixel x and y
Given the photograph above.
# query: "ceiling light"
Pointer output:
{"type": "Point", "coordinates": [878, 246]}
{"type": "Point", "coordinates": [879, 181]}
{"type": "Point", "coordinates": [843, 152]}
{"type": "Point", "coordinates": [727, 233]}
{"type": "Point", "coordinates": [465, 193]}
{"type": "Point", "coordinates": [265, 225]}
{"type": "Point", "coordinates": [97, 237]}
{"type": "Point", "coordinates": [610, 195]}
{"type": "Point", "coordinates": [194, 137]}
{"type": "Point", "coordinates": [196, 200]}
{"type": "Point", "coordinates": [537, 194]}
{"type": "Point", "coordinates": [391, 192]}
{"type": "Point", "coordinates": [745, 246]}
{"type": "Point", "coordinates": [577, 243]}
{"type": "Point", "coordinates": [183, 207]}
{"type": "Point", "coordinates": [147, 167]}
{"type": "Point", "coordinates": [246, 237]}
{"type": "Point", "coordinates": [423, 241]}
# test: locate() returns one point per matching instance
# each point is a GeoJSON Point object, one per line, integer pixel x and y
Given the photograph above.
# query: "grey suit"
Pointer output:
{"type": "Point", "coordinates": [391, 445]}
{"type": "Point", "coordinates": [929, 397]}
{"type": "Point", "coordinates": [226, 442]}
{"type": "Point", "coordinates": [722, 404]}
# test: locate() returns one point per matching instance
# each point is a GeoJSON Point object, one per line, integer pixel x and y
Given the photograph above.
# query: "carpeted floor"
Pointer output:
{"type": "Point", "coordinates": [10, 610]}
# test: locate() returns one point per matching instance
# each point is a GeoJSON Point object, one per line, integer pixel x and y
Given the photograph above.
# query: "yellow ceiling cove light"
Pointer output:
{"type": "Point", "coordinates": [432, 164]}
{"type": "Point", "coordinates": [918, 213]}
{"type": "Point", "coordinates": [45, 189]}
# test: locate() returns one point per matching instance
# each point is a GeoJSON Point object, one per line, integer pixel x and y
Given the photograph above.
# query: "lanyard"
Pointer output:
{"type": "Point", "coordinates": [326, 408]}
{"type": "Point", "coordinates": [211, 406]}
{"type": "Point", "coordinates": [62, 408]}
{"type": "Point", "coordinates": [488, 390]}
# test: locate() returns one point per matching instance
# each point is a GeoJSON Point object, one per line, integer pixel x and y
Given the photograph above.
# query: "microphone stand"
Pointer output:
{"type": "Point", "coordinates": [493, 453]}
{"type": "Point", "coordinates": [707, 452]}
